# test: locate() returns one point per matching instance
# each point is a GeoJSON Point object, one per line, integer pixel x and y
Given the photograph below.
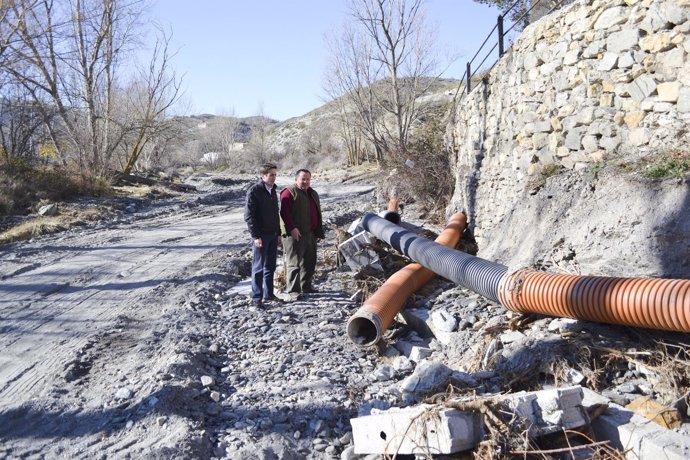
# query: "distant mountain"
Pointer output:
{"type": "Point", "coordinates": [308, 139]}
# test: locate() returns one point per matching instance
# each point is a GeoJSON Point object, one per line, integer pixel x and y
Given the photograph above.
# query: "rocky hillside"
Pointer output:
{"type": "Point", "coordinates": [317, 131]}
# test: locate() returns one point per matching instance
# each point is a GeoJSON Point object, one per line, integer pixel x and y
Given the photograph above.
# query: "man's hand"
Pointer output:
{"type": "Point", "coordinates": [258, 243]}
{"type": "Point", "coordinates": [296, 234]}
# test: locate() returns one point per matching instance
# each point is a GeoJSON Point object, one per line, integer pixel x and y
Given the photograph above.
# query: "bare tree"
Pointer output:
{"type": "Point", "coordinates": [221, 135]}
{"type": "Point", "coordinates": [382, 63]}
{"type": "Point", "coordinates": [68, 57]}
{"type": "Point", "coordinates": [258, 143]}
{"type": "Point", "coordinates": [150, 97]}
{"type": "Point", "coordinates": [20, 125]}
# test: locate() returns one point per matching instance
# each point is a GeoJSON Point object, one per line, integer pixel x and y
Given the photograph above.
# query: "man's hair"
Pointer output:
{"type": "Point", "coordinates": [302, 171]}
{"type": "Point", "coordinates": [264, 168]}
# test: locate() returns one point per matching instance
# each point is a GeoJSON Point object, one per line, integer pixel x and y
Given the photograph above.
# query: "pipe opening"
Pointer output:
{"type": "Point", "coordinates": [391, 216]}
{"type": "Point", "coordinates": [362, 331]}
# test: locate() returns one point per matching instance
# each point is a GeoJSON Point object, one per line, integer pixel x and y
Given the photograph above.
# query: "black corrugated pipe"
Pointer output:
{"type": "Point", "coordinates": [479, 275]}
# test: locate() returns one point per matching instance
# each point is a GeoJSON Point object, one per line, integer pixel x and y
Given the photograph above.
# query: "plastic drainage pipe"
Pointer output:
{"type": "Point", "coordinates": [643, 302]}
{"type": "Point", "coordinates": [368, 324]}
{"type": "Point", "coordinates": [471, 272]}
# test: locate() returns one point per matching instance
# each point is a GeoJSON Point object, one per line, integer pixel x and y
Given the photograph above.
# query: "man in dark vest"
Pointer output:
{"type": "Point", "coordinates": [263, 220]}
{"type": "Point", "coordinates": [300, 212]}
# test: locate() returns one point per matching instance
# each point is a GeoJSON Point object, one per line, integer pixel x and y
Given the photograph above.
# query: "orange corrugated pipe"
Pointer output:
{"type": "Point", "coordinates": [367, 325]}
{"type": "Point", "coordinates": [393, 204]}
{"type": "Point", "coordinates": [642, 302]}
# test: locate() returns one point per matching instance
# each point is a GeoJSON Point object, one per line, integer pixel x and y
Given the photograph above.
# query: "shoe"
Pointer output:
{"type": "Point", "coordinates": [295, 296]}
{"type": "Point", "coordinates": [256, 302]}
{"type": "Point", "coordinates": [310, 290]}
{"type": "Point", "coordinates": [273, 298]}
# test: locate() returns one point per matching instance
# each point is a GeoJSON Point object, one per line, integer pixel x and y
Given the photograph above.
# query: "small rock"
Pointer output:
{"type": "Point", "coordinates": [123, 393]}
{"type": "Point", "coordinates": [214, 409]}
{"type": "Point", "coordinates": [349, 454]}
{"type": "Point", "coordinates": [346, 438]}
{"type": "Point", "coordinates": [402, 363]}
{"type": "Point", "coordinates": [48, 210]}
{"type": "Point", "coordinates": [576, 377]}
{"type": "Point", "coordinates": [384, 373]}
{"type": "Point", "coordinates": [207, 380]}
{"type": "Point", "coordinates": [443, 320]}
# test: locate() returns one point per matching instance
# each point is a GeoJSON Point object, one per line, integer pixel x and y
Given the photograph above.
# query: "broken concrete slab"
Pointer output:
{"type": "Point", "coordinates": [420, 319]}
{"type": "Point", "coordinates": [634, 434]}
{"type": "Point", "coordinates": [558, 408]}
{"type": "Point", "coordinates": [441, 430]}
{"type": "Point", "coordinates": [358, 253]}
{"type": "Point", "coordinates": [424, 429]}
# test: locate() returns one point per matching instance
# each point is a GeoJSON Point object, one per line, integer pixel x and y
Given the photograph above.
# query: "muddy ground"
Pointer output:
{"type": "Point", "coordinates": [134, 337]}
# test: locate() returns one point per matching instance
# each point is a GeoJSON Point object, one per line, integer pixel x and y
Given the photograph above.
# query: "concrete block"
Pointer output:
{"type": "Point", "coordinates": [355, 227]}
{"type": "Point", "coordinates": [633, 434]}
{"type": "Point", "coordinates": [357, 252]}
{"type": "Point", "coordinates": [418, 353]}
{"type": "Point", "coordinates": [422, 429]}
{"type": "Point", "coordinates": [548, 411]}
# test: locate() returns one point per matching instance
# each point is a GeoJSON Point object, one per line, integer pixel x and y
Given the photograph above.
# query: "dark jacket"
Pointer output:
{"type": "Point", "coordinates": [299, 215]}
{"type": "Point", "coordinates": [261, 210]}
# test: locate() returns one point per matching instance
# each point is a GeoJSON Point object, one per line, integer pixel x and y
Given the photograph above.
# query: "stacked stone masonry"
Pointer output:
{"type": "Point", "coordinates": [591, 82]}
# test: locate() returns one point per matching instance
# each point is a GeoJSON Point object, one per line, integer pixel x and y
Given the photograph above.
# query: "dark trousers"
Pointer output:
{"type": "Point", "coordinates": [264, 266]}
{"type": "Point", "coordinates": [300, 258]}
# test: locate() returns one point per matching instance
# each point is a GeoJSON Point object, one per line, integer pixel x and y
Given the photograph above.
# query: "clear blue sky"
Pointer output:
{"type": "Point", "coordinates": [241, 55]}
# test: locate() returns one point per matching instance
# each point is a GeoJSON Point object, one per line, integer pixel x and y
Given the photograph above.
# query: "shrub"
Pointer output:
{"type": "Point", "coordinates": [23, 185]}
{"type": "Point", "coordinates": [670, 165]}
{"type": "Point", "coordinates": [424, 176]}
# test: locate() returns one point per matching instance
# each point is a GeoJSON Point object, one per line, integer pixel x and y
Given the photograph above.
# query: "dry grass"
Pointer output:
{"type": "Point", "coordinates": [23, 185]}
{"type": "Point", "coordinates": [43, 225]}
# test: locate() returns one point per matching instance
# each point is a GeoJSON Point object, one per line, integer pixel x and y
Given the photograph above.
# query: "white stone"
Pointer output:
{"type": "Point", "coordinates": [123, 393]}
{"type": "Point", "coordinates": [642, 87]}
{"type": "Point", "coordinates": [608, 62]}
{"type": "Point", "coordinates": [417, 354]}
{"type": "Point", "coordinates": [384, 373]}
{"type": "Point", "coordinates": [611, 17]}
{"type": "Point", "coordinates": [427, 377]}
{"type": "Point", "coordinates": [443, 320]}
{"type": "Point", "coordinates": [48, 210]}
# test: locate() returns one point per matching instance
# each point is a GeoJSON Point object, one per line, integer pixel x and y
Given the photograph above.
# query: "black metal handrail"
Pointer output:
{"type": "Point", "coordinates": [467, 76]}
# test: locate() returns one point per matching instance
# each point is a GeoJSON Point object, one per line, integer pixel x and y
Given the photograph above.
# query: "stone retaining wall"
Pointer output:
{"type": "Point", "coordinates": [594, 81]}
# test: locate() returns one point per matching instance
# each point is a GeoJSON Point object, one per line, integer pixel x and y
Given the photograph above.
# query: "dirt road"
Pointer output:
{"type": "Point", "coordinates": [92, 320]}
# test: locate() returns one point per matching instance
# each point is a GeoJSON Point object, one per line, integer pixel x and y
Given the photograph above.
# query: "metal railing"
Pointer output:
{"type": "Point", "coordinates": [501, 35]}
